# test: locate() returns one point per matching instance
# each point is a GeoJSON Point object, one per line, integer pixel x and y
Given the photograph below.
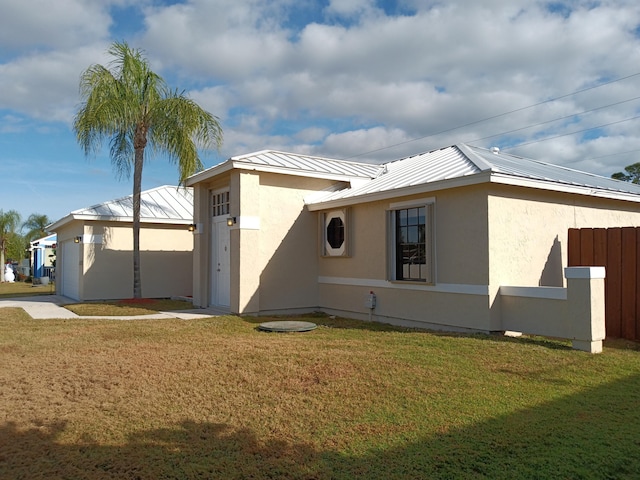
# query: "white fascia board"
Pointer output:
{"type": "Point", "coordinates": [102, 218]}
{"type": "Point", "coordinates": [295, 172]}
{"type": "Point", "coordinates": [563, 187]}
{"type": "Point", "coordinates": [467, 180]}
{"type": "Point", "coordinates": [208, 173]}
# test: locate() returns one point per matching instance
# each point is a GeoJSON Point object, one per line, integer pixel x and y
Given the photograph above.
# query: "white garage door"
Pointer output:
{"type": "Point", "coordinates": [70, 275]}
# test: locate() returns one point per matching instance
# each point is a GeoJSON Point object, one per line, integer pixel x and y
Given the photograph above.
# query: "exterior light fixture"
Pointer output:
{"type": "Point", "coordinates": [77, 239]}
{"type": "Point", "coordinates": [192, 227]}
{"type": "Point", "coordinates": [231, 221]}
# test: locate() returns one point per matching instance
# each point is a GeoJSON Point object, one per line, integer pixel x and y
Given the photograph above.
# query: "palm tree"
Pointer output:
{"type": "Point", "coordinates": [134, 108]}
{"type": "Point", "coordinates": [36, 225]}
{"type": "Point", "coordinates": [8, 223]}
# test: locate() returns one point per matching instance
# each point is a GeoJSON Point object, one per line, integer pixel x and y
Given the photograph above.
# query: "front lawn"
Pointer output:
{"type": "Point", "coordinates": [216, 398]}
{"type": "Point", "coordinates": [24, 289]}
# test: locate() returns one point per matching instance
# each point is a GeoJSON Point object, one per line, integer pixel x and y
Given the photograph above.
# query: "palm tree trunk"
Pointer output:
{"type": "Point", "coordinates": [137, 188]}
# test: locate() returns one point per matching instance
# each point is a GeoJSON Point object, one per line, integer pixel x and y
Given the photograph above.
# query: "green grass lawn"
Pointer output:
{"type": "Point", "coordinates": [24, 289]}
{"type": "Point", "coordinates": [216, 398]}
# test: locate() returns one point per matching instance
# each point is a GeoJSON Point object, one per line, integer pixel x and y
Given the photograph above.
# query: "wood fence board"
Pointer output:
{"type": "Point", "coordinates": [628, 283]}
{"type": "Point", "coordinates": [586, 246]}
{"type": "Point", "coordinates": [599, 247]}
{"type": "Point", "coordinates": [573, 241]}
{"type": "Point", "coordinates": [618, 250]}
{"type": "Point", "coordinates": [613, 307]}
{"type": "Point", "coordinates": [637, 284]}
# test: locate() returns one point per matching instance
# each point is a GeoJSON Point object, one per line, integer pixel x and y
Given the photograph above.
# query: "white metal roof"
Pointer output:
{"type": "Point", "coordinates": [292, 164]}
{"type": "Point", "coordinates": [166, 204]}
{"type": "Point", "coordinates": [463, 165]}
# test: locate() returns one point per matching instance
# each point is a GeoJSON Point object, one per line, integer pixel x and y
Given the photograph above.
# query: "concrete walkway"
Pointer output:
{"type": "Point", "coordinates": [51, 306]}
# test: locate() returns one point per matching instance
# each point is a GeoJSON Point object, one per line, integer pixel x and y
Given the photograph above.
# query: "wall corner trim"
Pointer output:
{"type": "Point", "coordinates": [585, 272]}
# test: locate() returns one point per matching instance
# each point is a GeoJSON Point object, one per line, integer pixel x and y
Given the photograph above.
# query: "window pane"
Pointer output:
{"type": "Point", "coordinates": [335, 232]}
{"type": "Point", "coordinates": [412, 234]}
{"type": "Point", "coordinates": [402, 218]}
{"type": "Point", "coordinates": [421, 216]}
{"type": "Point", "coordinates": [402, 235]}
{"type": "Point", "coordinates": [412, 262]}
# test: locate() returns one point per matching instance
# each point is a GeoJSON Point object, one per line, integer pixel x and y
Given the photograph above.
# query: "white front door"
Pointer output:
{"type": "Point", "coordinates": [220, 263]}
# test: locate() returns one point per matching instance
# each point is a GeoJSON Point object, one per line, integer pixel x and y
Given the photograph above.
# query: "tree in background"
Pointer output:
{"type": "Point", "coordinates": [8, 224]}
{"type": "Point", "coordinates": [134, 108]}
{"type": "Point", "coordinates": [36, 226]}
{"type": "Point", "coordinates": [632, 175]}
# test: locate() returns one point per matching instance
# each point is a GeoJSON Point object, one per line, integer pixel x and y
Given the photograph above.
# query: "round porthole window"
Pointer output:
{"type": "Point", "coordinates": [335, 233]}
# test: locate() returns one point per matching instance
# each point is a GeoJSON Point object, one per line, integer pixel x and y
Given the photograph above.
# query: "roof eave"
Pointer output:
{"type": "Point", "coordinates": [563, 187]}
{"type": "Point", "coordinates": [482, 177]}
{"type": "Point", "coordinates": [467, 180]}
{"type": "Point", "coordinates": [209, 173]}
{"type": "Point", "coordinates": [112, 218]}
{"type": "Point", "coordinates": [234, 164]}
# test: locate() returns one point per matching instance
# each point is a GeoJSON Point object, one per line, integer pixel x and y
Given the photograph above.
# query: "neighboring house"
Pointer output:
{"type": "Point", "coordinates": [42, 256]}
{"type": "Point", "coordinates": [434, 236]}
{"type": "Point", "coordinates": [95, 247]}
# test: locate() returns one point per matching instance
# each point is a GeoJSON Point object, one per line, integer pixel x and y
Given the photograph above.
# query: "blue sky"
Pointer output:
{"type": "Point", "coordinates": [369, 80]}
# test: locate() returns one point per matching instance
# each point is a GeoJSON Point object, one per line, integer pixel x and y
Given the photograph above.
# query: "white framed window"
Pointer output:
{"type": "Point", "coordinates": [411, 252]}
{"type": "Point", "coordinates": [219, 203]}
{"type": "Point", "coordinates": [335, 233]}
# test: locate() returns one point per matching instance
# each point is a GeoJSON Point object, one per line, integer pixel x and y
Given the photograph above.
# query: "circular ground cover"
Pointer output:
{"type": "Point", "coordinates": [287, 326]}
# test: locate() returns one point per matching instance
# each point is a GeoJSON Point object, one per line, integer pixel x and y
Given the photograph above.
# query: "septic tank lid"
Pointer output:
{"type": "Point", "coordinates": [287, 326]}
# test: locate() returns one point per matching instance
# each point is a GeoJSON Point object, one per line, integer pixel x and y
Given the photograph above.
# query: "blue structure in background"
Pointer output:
{"type": "Point", "coordinates": [41, 260]}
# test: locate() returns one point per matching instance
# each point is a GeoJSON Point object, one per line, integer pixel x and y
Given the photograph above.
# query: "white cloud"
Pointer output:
{"type": "Point", "coordinates": [45, 85]}
{"type": "Point", "coordinates": [42, 24]}
{"type": "Point", "coordinates": [354, 79]}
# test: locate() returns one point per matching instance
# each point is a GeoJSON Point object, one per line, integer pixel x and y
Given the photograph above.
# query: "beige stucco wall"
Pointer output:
{"type": "Point", "coordinates": [459, 297]}
{"type": "Point", "coordinates": [106, 259]}
{"type": "Point", "coordinates": [274, 247]}
{"type": "Point", "coordinates": [486, 236]}
{"type": "Point", "coordinates": [528, 234]}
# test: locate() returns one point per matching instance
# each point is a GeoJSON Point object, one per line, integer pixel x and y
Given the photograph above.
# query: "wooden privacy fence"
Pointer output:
{"type": "Point", "coordinates": [618, 250]}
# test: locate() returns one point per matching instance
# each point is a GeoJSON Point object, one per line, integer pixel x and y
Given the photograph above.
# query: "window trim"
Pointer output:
{"type": "Point", "coordinates": [219, 208]}
{"type": "Point", "coordinates": [326, 249]}
{"type": "Point", "coordinates": [430, 239]}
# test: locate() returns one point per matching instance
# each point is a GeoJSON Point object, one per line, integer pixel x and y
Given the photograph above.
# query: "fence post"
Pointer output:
{"type": "Point", "coordinates": [585, 294]}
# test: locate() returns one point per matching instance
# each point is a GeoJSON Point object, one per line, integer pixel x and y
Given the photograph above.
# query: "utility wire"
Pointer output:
{"type": "Point", "coordinates": [495, 116]}
{"type": "Point", "coordinates": [551, 121]}
{"type": "Point", "coordinates": [570, 133]}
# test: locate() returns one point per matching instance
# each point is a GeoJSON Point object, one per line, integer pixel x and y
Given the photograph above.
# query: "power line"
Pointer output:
{"type": "Point", "coordinates": [570, 133]}
{"type": "Point", "coordinates": [496, 116]}
{"type": "Point", "coordinates": [553, 120]}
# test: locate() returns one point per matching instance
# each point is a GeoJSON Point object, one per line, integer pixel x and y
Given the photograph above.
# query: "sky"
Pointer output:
{"type": "Point", "coordinates": [362, 80]}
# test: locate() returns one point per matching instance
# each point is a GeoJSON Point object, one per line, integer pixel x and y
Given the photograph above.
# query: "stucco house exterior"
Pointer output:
{"type": "Point", "coordinates": [95, 247]}
{"type": "Point", "coordinates": [434, 236]}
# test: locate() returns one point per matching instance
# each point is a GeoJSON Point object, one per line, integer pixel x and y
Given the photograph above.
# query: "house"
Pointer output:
{"type": "Point", "coordinates": [95, 247]}
{"type": "Point", "coordinates": [42, 252]}
{"type": "Point", "coordinates": [434, 236]}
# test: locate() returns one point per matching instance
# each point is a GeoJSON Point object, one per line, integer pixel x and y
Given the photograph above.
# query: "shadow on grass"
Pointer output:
{"type": "Point", "coordinates": [593, 435]}
{"type": "Point", "coordinates": [346, 323]}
